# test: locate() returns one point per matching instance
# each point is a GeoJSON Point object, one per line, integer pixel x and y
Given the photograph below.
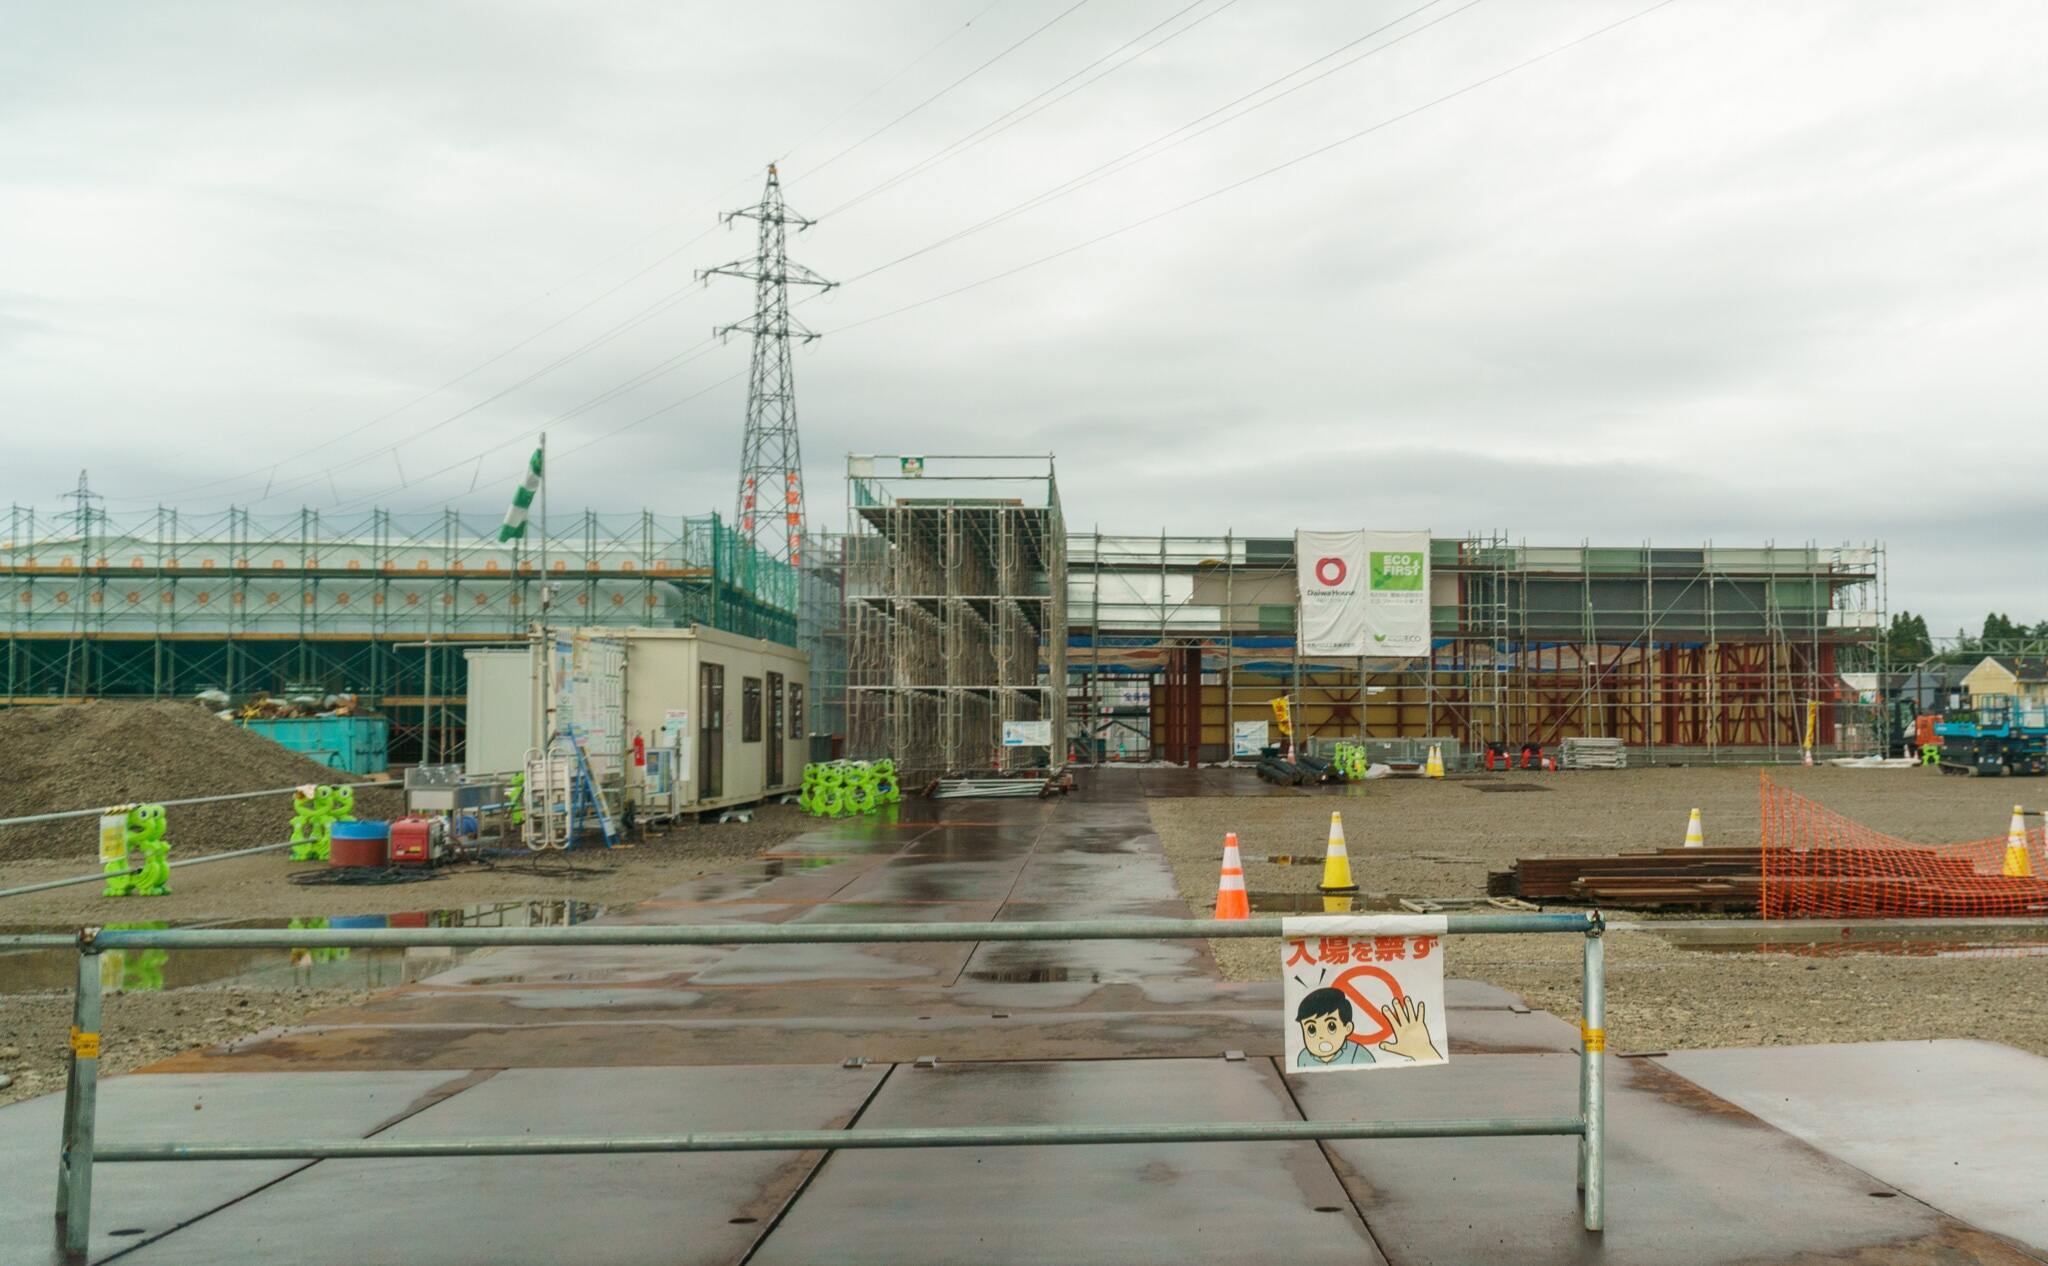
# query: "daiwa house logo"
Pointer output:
{"type": "Point", "coordinates": [1397, 570]}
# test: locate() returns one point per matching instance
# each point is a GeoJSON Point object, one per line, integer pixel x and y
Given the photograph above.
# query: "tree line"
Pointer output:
{"type": "Point", "coordinates": [1908, 642]}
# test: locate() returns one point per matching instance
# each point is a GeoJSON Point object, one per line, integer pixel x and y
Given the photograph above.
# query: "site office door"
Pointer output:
{"type": "Point", "coordinates": [774, 729]}
{"type": "Point", "coordinates": [710, 731]}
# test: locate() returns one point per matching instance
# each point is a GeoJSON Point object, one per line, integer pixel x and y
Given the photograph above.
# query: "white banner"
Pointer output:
{"type": "Point", "coordinates": [1329, 569]}
{"type": "Point", "coordinates": [1027, 734]}
{"type": "Point", "coordinates": [1363, 593]}
{"type": "Point", "coordinates": [1397, 593]}
{"type": "Point", "coordinates": [1363, 993]}
{"type": "Point", "coordinates": [1247, 737]}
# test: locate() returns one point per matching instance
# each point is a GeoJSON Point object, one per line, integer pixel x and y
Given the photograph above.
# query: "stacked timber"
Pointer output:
{"type": "Point", "coordinates": [1688, 878]}
{"type": "Point", "coordinates": [1593, 753]}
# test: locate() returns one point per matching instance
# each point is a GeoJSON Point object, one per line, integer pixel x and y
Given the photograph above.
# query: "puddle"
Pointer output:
{"type": "Point", "coordinates": [152, 971]}
{"type": "Point", "coordinates": [1032, 975]}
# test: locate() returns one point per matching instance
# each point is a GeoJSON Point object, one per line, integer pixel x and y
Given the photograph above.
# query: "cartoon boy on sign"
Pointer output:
{"type": "Point", "coordinates": [1325, 1017]}
{"type": "Point", "coordinates": [1363, 992]}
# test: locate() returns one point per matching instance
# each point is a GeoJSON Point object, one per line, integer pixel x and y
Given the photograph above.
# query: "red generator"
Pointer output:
{"type": "Point", "coordinates": [419, 842]}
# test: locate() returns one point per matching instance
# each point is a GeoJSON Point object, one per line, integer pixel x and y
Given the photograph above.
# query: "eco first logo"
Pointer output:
{"type": "Point", "coordinates": [1330, 571]}
{"type": "Point", "coordinates": [1397, 570]}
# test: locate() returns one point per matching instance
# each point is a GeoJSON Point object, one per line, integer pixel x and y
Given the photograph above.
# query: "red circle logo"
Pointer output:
{"type": "Point", "coordinates": [1370, 1028]}
{"type": "Point", "coordinates": [1331, 571]}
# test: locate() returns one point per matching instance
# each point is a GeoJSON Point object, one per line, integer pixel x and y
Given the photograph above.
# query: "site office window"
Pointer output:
{"type": "Point", "coordinates": [796, 709]}
{"type": "Point", "coordinates": [750, 709]}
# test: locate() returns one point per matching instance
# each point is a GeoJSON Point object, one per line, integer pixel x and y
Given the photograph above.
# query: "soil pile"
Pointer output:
{"type": "Point", "coordinates": [104, 753]}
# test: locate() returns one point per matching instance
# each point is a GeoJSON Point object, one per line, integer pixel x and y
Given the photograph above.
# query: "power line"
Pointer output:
{"type": "Point", "coordinates": [1055, 20]}
{"type": "Point", "coordinates": [644, 315]}
{"type": "Point", "coordinates": [1026, 109]}
{"type": "Point", "coordinates": [271, 468]}
{"type": "Point", "coordinates": [471, 372]}
{"type": "Point", "coordinates": [901, 71]}
{"type": "Point", "coordinates": [1298, 159]}
{"type": "Point", "coordinates": [1136, 155]}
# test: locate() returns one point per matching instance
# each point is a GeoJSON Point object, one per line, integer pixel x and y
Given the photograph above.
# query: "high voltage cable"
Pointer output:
{"type": "Point", "coordinates": [465, 374]}
{"type": "Point", "coordinates": [1005, 121]}
{"type": "Point", "coordinates": [1055, 20]}
{"type": "Point", "coordinates": [1136, 155]}
{"type": "Point", "coordinates": [528, 434]}
{"type": "Point", "coordinates": [1214, 193]}
{"type": "Point", "coordinates": [646, 314]}
{"type": "Point", "coordinates": [271, 468]}
{"type": "Point", "coordinates": [1261, 175]}
{"type": "Point", "coordinates": [901, 71]}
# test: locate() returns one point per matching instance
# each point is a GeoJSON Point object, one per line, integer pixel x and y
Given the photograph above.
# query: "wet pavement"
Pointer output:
{"type": "Point", "coordinates": [646, 1039]}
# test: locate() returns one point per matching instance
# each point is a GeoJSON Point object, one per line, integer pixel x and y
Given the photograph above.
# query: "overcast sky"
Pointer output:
{"type": "Point", "coordinates": [1736, 270]}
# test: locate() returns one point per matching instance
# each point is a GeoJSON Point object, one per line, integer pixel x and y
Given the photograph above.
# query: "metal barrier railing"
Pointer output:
{"type": "Point", "coordinates": [81, 1149]}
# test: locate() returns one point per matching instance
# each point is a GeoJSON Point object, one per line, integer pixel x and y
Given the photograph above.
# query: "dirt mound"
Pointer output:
{"type": "Point", "coordinates": [82, 755]}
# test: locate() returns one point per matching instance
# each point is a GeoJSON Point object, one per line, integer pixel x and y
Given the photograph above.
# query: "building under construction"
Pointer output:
{"type": "Point", "coordinates": [1684, 654]}
{"type": "Point", "coordinates": [163, 604]}
{"type": "Point", "coordinates": [954, 570]}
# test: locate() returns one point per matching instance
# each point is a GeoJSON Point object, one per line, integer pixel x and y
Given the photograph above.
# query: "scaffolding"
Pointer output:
{"type": "Point", "coordinates": [1703, 653]}
{"type": "Point", "coordinates": [822, 635]}
{"type": "Point", "coordinates": [955, 612]}
{"type": "Point", "coordinates": [163, 603]}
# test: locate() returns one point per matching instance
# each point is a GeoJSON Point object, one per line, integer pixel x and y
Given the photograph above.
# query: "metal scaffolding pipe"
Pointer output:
{"type": "Point", "coordinates": [853, 1140]}
{"type": "Point", "coordinates": [1155, 929]}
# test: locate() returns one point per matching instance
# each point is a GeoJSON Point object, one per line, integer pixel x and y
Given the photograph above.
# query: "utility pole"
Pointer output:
{"type": "Point", "coordinates": [771, 497]}
{"type": "Point", "coordinates": [81, 499]}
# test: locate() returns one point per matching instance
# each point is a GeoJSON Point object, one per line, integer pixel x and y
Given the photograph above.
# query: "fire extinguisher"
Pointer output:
{"type": "Point", "coordinates": [639, 751]}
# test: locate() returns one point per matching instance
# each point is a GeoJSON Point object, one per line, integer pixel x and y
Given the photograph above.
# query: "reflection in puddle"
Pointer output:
{"type": "Point", "coordinates": [1031, 975]}
{"type": "Point", "coordinates": [1314, 903]}
{"type": "Point", "coordinates": [155, 970]}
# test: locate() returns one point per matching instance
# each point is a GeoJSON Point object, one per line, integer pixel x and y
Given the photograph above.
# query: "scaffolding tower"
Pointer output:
{"type": "Point", "coordinates": [955, 601]}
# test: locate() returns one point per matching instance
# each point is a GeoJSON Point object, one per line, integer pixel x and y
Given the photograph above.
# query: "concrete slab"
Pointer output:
{"type": "Point", "coordinates": [1691, 1178]}
{"type": "Point", "coordinates": [1957, 1124]}
{"type": "Point", "coordinates": [135, 1203]}
{"type": "Point", "coordinates": [1214, 1202]}
{"type": "Point", "coordinates": [547, 1210]}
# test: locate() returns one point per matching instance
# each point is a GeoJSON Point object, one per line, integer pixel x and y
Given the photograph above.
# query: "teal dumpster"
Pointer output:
{"type": "Point", "coordinates": [356, 745]}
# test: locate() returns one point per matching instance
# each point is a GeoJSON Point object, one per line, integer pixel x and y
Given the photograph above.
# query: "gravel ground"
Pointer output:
{"type": "Point", "coordinates": [1419, 839]}
{"type": "Point", "coordinates": [141, 1028]}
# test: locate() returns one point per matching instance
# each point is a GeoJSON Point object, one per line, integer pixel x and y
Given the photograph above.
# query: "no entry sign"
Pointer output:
{"type": "Point", "coordinates": [1363, 992]}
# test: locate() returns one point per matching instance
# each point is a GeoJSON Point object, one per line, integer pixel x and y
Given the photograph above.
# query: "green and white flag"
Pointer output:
{"type": "Point", "coordinates": [522, 501]}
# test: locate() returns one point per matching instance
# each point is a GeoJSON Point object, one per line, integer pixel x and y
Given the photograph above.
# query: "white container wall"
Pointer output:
{"type": "Point", "coordinates": [709, 719]}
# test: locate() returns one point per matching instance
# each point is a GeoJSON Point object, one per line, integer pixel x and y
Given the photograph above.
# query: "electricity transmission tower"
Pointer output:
{"type": "Point", "coordinates": [771, 498]}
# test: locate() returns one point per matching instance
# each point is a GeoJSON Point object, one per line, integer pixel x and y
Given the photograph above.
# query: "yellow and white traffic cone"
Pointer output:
{"type": "Point", "coordinates": [1694, 836]}
{"type": "Point", "coordinates": [1336, 861]}
{"type": "Point", "coordinates": [2017, 864]}
{"type": "Point", "coordinates": [1434, 767]}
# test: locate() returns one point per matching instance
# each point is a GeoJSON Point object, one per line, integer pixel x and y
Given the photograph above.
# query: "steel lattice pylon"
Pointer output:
{"type": "Point", "coordinates": [771, 460]}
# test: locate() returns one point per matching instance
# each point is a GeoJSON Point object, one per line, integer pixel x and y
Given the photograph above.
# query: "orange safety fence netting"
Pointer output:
{"type": "Point", "coordinates": [1819, 864]}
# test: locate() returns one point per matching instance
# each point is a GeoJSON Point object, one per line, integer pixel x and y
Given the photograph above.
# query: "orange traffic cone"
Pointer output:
{"type": "Point", "coordinates": [1694, 837]}
{"type": "Point", "coordinates": [2017, 864]}
{"type": "Point", "coordinates": [1231, 900]}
